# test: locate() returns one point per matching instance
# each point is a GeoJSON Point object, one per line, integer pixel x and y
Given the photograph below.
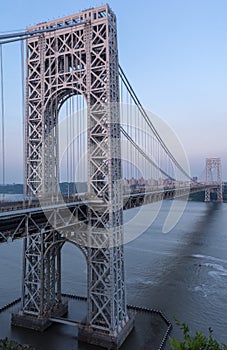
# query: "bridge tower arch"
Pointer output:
{"type": "Point", "coordinates": [78, 55]}
{"type": "Point", "coordinates": [213, 166]}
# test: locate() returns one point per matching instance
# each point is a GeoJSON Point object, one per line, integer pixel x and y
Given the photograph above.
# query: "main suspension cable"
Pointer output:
{"type": "Point", "coordinates": [144, 154]}
{"type": "Point", "coordinates": [3, 116]}
{"type": "Point", "coordinates": [12, 37]}
{"type": "Point", "coordinates": [149, 123]}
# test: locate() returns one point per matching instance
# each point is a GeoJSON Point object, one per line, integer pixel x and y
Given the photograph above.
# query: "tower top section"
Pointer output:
{"type": "Point", "coordinates": [90, 15]}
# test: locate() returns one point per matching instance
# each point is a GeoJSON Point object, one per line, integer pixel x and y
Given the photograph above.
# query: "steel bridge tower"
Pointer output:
{"type": "Point", "coordinates": [76, 55]}
{"type": "Point", "coordinates": [214, 165]}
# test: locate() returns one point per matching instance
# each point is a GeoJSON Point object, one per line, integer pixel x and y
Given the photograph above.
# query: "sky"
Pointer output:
{"type": "Point", "coordinates": [174, 54]}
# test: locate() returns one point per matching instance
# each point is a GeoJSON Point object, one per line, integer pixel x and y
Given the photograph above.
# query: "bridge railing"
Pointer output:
{"type": "Point", "coordinates": [38, 202]}
{"type": "Point", "coordinates": [129, 189]}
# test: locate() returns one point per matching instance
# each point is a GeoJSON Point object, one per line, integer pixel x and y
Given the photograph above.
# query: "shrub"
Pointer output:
{"type": "Point", "coordinates": [198, 342]}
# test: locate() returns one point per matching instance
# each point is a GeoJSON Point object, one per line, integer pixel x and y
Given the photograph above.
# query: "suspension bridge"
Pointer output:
{"type": "Point", "coordinates": [84, 125]}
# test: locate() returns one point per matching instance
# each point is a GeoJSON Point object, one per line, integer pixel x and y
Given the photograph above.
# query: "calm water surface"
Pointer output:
{"type": "Point", "coordinates": [183, 273]}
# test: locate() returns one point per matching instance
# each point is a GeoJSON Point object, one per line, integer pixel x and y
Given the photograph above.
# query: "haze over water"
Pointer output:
{"type": "Point", "coordinates": [182, 273]}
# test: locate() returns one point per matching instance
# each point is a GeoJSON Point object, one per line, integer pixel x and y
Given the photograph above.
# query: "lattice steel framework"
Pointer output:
{"type": "Point", "coordinates": [41, 280]}
{"type": "Point", "coordinates": [213, 165]}
{"type": "Point", "coordinates": [80, 57]}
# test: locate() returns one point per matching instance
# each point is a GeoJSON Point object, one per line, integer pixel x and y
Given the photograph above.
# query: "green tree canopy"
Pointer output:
{"type": "Point", "coordinates": [196, 342]}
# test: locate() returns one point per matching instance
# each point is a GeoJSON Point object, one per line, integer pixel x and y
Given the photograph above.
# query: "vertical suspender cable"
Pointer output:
{"type": "Point", "coordinates": [23, 100]}
{"type": "Point", "coordinates": [67, 148]}
{"type": "Point", "coordinates": [121, 122]}
{"type": "Point", "coordinates": [81, 166]}
{"type": "Point", "coordinates": [70, 140]}
{"type": "Point", "coordinates": [83, 138]}
{"type": "Point", "coordinates": [3, 117]}
{"type": "Point", "coordinates": [77, 141]}
{"type": "Point", "coordinates": [79, 134]}
{"type": "Point", "coordinates": [129, 154]}
{"type": "Point", "coordinates": [73, 143]}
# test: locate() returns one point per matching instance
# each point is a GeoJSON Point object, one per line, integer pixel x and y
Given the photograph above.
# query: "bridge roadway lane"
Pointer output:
{"type": "Point", "coordinates": [19, 222]}
{"type": "Point", "coordinates": [22, 218]}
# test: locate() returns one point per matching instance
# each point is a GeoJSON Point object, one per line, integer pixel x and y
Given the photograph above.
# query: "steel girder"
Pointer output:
{"type": "Point", "coordinates": [67, 219]}
{"type": "Point", "coordinates": [80, 60]}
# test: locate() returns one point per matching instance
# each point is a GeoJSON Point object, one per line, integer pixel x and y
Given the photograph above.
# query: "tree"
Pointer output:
{"type": "Point", "coordinates": [6, 344]}
{"type": "Point", "coordinates": [198, 342]}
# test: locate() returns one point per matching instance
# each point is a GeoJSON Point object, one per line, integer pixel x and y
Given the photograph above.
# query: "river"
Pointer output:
{"type": "Point", "coordinates": [182, 273]}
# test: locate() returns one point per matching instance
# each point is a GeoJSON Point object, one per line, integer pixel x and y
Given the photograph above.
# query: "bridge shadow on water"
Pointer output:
{"type": "Point", "coordinates": [186, 278]}
{"type": "Point", "coordinates": [164, 264]}
{"type": "Point", "coordinates": [199, 232]}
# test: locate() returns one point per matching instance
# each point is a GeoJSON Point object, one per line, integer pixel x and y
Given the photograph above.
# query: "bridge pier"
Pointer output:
{"type": "Point", "coordinates": [39, 323]}
{"type": "Point", "coordinates": [41, 282]}
{"type": "Point", "coordinates": [106, 340]}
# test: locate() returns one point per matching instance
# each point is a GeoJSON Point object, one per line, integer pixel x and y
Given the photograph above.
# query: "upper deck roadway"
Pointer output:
{"type": "Point", "coordinates": [22, 218]}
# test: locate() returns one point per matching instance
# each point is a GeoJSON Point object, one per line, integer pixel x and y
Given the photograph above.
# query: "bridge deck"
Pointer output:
{"type": "Point", "coordinates": [27, 217]}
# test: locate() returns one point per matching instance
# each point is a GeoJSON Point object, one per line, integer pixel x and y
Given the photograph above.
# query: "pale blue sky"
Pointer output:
{"type": "Point", "coordinates": [174, 53]}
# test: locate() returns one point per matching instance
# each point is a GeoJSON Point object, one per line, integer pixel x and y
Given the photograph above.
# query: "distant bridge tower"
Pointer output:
{"type": "Point", "coordinates": [69, 56]}
{"type": "Point", "coordinates": [214, 174]}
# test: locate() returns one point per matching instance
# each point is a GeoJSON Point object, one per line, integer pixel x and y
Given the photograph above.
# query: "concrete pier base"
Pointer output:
{"type": "Point", "coordinates": [38, 323]}
{"type": "Point", "coordinates": [104, 340]}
